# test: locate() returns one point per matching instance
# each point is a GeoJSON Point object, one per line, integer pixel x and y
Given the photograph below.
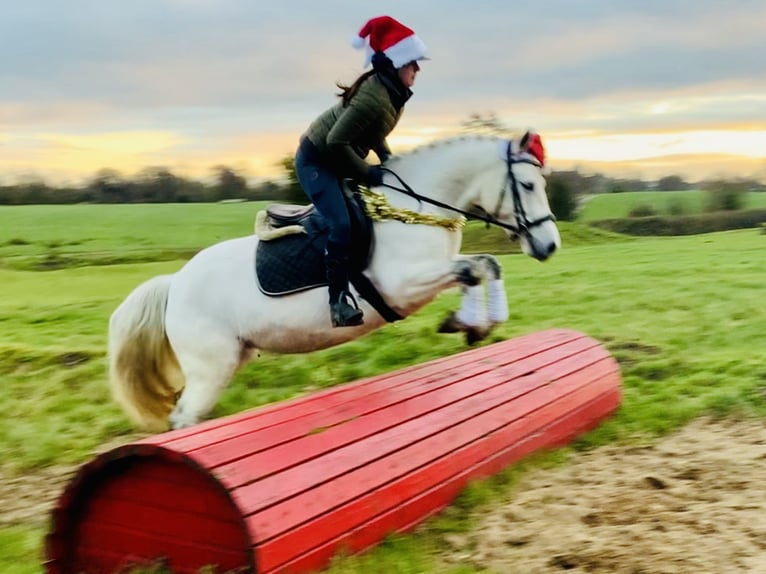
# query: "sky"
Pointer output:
{"type": "Point", "coordinates": [625, 88]}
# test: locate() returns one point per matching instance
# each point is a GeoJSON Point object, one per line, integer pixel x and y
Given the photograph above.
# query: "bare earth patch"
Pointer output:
{"type": "Point", "coordinates": [694, 502]}
{"type": "Point", "coordinates": [29, 498]}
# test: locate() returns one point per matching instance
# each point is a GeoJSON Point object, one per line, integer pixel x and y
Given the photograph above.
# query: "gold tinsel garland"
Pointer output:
{"type": "Point", "coordinates": [377, 207]}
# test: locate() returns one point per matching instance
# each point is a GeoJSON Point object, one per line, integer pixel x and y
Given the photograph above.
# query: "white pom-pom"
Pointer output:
{"type": "Point", "coordinates": [357, 42]}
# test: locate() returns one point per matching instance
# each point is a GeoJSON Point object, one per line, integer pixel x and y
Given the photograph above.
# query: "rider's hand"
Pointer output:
{"type": "Point", "coordinates": [375, 176]}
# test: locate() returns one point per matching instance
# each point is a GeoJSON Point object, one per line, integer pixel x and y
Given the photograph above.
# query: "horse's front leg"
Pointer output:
{"type": "Point", "coordinates": [477, 316]}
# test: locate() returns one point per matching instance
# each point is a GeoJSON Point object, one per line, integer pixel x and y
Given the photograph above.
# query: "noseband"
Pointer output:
{"type": "Point", "coordinates": [523, 225]}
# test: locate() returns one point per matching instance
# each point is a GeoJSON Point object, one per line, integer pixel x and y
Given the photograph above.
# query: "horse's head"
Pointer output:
{"type": "Point", "coordinates": [522, 205]}
{"type": "Point", "coordinates": [465, 176]}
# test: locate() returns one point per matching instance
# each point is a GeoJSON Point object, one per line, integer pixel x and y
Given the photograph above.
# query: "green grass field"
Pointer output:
{"type": "Point", "coordinates": [684, 317]}
{"type": "Point", "coordinates": [617, 205]}
{"type": "Point", "coordinates": [50, 236]}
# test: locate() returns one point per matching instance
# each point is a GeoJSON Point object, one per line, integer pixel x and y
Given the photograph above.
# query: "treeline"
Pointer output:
{"type": "Point", "coordinates": [153, 185]}
{"type": "Point", "coordinates": [590, 184]}
{"type": "Point", "coordinates": [694, 224]}
{"type": "Point", "coordinates": [160, 185]}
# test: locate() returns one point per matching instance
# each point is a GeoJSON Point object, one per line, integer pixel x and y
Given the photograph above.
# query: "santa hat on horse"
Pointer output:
{"type": "Point", "coordinates": [533, 145]}
{"type": "Point", "coordinates": [394, 39]}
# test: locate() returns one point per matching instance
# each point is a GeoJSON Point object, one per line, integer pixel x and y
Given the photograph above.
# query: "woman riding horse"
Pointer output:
{"type": "Point", "coordinates": [336, 143]}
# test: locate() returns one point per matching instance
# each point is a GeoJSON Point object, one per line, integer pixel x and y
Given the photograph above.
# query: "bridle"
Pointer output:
{"type": "Point", "coordinates": [523, 224]}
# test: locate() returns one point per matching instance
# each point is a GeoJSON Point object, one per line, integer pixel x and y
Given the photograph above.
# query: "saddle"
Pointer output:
{"type": "Point", "coordinates": [290, 253]}
{"type": "Point", "coordinates": [281, 219]}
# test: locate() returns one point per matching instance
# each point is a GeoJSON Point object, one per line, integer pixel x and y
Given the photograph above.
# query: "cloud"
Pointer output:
{"type": "Point", "coordinates": [625, 147]}
{"type": "Point", "coordinates": [163, 52]}
{"type": "Point", "coordinates": [238, 81]}
{"type": "Point", "coordinates": [691, 167]}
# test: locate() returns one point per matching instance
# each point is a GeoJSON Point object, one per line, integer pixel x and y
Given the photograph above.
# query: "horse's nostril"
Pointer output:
{"type": "Point", "coordinates": [551, 248]}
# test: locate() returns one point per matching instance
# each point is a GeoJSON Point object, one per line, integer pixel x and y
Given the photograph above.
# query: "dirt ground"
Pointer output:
{"type": "Point", "coordinates": [694, 502]}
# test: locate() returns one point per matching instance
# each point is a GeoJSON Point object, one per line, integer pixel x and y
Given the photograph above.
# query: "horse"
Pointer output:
{"type": "Point", "coordinates": [176, 340]}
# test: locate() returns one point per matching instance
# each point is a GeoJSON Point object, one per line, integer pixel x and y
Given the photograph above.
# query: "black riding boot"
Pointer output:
{"type": "Point", "coordinates": [343, 314]}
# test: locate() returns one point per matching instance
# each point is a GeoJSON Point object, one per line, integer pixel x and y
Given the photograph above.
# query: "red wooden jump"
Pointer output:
{"type": "Point", "coordinates": [283, 488]}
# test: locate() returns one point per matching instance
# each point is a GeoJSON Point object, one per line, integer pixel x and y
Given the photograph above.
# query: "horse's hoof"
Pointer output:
{"type": "Point", "coordinates": [475, 334]}
{"type": "Point", "coordinates": [450, 325]}
{"type": "Point", "coordinates": [177, 420]}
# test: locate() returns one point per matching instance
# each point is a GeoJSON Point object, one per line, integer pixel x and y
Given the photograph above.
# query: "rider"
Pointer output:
{"type": "Point", "coordinates": [337, 142]}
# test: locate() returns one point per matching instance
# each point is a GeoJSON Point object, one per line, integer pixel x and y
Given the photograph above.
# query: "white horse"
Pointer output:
{"type": "Point", "coordinates": [176, 340]}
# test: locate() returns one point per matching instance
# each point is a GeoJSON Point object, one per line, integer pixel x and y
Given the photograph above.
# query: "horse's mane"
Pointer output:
{"type": "Point", "coordinates": [460, 172]}
{"type": "Point", "coordinates": [443, 142]}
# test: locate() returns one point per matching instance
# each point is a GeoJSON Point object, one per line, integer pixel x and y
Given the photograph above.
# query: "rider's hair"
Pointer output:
{"type": "Point", "coordinates": [348, 92]}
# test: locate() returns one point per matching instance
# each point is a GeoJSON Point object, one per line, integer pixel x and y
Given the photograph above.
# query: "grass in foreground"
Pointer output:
{"type": "Point", "coordinates": [682, 315]}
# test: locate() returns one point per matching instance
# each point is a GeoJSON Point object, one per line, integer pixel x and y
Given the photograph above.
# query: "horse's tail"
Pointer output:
{"type": "Point", "coordinates": [143, 369]}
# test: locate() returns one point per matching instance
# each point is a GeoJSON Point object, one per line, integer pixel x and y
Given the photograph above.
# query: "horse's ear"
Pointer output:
{"type": "Point", "coordinates": [524, 143]}
{"type": "Point", "coordinates": [532, 144]}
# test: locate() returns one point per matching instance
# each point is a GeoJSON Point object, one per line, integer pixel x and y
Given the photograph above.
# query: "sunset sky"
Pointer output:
{"type": "Point", "coordinates": [620, 87]}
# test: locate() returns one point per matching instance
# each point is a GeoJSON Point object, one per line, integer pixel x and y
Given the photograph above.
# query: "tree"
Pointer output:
{"type": "Point", "coordinates": [108, 186]}
{"type": "Point", "coordinates": [229, 184]}
{"type": "Point", "coordinates": [158, 185]}
{"type": "Point", "coordinates": [292, 191]}
{"type": "Point", "coordinates": [726, 195]}
{"type": "Point", "coordinates": [672, 183]}
{"type": "Point", "coordinates": [266, 191]}
{"type": "Point", "coordinates": [562, 199]}
{"type": "Point", "coordinates": [485, 124]}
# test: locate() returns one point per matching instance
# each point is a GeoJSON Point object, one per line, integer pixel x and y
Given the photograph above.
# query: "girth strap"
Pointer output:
{"type": "Point", "coordinates": [369, 293]}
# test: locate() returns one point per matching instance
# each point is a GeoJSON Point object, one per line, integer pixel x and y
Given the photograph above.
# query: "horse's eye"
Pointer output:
{"type": "Point", "coordinates": [528, 186]}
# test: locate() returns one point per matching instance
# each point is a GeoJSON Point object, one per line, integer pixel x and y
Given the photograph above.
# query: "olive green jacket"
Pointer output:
{"type": "Point", "coordinates": [346, 135]}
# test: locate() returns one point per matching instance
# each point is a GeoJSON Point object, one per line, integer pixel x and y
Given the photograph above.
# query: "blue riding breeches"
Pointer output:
{"type": "Point", "coordinates": [323, 187]}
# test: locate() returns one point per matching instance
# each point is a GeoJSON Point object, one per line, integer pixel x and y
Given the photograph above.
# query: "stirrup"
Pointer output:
{"type": "Point", "coordinates": [343, 314]}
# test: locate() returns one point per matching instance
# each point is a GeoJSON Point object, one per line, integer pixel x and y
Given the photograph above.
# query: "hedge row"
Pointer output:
{"type": "Point", "coordinates": [685, 224]}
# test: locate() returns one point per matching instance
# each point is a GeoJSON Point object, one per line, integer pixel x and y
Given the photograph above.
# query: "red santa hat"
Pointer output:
{"type": "Point", "coordinates": [534, 147]}
{"type": "Point", "coordinates": [394, 39]}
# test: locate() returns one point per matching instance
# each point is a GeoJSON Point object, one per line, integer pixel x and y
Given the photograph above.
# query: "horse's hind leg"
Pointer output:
{"type": "Point", "coordinates": [208, 363]}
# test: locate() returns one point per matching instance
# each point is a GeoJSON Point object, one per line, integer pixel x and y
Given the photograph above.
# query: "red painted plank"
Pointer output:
{"type": "Point", "coordinates": [419, 410]}
{"type": "Point", "coordinates": [558, 435]}
{"type": "Point", "coordinates": [336, 522]}
{"type": "Point", "coordinates": [326, 496]}
{"type": "Point", "coordinates": [265, 417]}
{"type": "Point", "coordinates": [142, 545]}
{"type": "Point", "coordinates": [415, 511]}
{"type": "Point", "coordinates": [100, 561]}
{"type": "Point", "coordinates": [393, 449]}
{"type": "Point", "coordinates": [258, 441]}
{"type": "Point", "coordinates": [345, 502]}
{"type": "Point", "coordinates": [207, 499]}
{"type": "Point", "coordinates": [192, 528]}
{"type": "Point", "coordinates": [323, 498]}
{"type": "Point", "coordinates": [275, 488]}
{"type": "Point", "coordinates": [322, 401]}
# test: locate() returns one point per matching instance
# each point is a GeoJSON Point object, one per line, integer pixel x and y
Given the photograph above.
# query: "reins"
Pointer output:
{"type": "Point", "coordinates": [523, 224]}
{"type": "Point", "coordinates": [407, 190]}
